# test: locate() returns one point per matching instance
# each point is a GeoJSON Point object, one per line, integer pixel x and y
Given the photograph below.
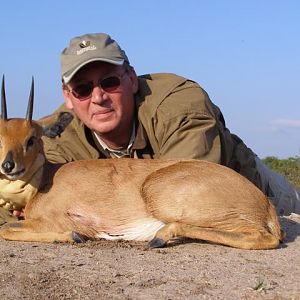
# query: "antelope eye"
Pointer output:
{"type": "Point", "coordinates": [30, 142]}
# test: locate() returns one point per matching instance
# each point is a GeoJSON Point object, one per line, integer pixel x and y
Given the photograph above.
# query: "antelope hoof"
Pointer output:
{"type": "Point", "coordinates": [157, 243]}
{"type": "Point", "coordinates": [78, 238]}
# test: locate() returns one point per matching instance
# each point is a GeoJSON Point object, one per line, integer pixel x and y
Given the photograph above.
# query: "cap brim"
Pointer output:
{"type": "Point", "coordinates": [67, 77]}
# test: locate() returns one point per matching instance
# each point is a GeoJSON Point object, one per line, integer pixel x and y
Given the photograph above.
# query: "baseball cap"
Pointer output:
{"type": "Point", "coordinates": [88, 48]}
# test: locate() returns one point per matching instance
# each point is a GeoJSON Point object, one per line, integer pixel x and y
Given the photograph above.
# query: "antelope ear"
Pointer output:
{"type": "Point", "coordinates": [57, 128]}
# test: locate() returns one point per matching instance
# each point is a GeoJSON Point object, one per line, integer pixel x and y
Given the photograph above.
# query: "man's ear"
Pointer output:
{"type": "Point", "coordinates": [134, 80]}
{"type": "Point", "coordinates": [55, 129]}
{"type": "Point", "coordinates": [67, 98]}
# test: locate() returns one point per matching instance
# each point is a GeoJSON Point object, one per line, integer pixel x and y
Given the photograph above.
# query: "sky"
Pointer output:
{"type": "Point", "coordinates": [245, 54]}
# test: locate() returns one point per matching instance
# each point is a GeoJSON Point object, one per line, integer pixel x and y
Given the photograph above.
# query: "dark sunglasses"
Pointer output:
{"type": "Point", "coordinates": [84, 91]}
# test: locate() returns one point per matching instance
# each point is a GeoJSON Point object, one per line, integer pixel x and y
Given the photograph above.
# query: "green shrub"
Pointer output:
{"type": "Point", "coordinates": [290, 168]}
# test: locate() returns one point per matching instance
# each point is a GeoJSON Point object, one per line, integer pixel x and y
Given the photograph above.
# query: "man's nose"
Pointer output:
{"type": "Point", "coordinates": [98, 95]}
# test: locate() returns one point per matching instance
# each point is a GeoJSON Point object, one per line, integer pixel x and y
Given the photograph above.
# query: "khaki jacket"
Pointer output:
{"type": "Point", "coordinates": [174, 119]}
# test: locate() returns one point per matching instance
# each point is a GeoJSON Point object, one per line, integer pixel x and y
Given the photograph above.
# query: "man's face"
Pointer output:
{"type": "Point", "coordinates": [108, 112]}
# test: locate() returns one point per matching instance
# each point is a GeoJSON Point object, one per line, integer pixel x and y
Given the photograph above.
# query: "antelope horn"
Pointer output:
{"type": "Point", "coordinates": [30, 102]}
{"type": "Point", "coordinates": [3, 101]}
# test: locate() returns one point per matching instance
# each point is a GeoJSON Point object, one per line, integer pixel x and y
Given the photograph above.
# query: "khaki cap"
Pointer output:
{"type": "Point", "coordinates": [88, 48]}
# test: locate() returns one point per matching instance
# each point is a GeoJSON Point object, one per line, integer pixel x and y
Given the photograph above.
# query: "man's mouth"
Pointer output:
{"type": "Point", "coordinates": [103, 111]}
{"type": "Point", "coordinates": [103, 114]}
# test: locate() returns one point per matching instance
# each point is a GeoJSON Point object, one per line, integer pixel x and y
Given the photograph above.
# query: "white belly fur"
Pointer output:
{"type": "Point", "coordinates": [141, 230]}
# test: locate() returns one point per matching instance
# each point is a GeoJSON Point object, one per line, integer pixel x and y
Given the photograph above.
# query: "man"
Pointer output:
{"type": "Point", "coordinates": [118, 114]}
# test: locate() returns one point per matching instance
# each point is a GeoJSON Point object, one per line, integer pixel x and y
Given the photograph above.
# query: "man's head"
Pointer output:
{"type": "Point", "coordinates": [99, 85]}
{"type": "Point", "coordinates": [88, 48]}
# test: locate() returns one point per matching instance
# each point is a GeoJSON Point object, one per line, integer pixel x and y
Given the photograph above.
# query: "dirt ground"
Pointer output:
{"type": "Point", "coordinates": [128, 270]}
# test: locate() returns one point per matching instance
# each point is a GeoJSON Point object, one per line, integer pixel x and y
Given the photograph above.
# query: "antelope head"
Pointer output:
{"type": "Point", "coordinates": [20, 139]}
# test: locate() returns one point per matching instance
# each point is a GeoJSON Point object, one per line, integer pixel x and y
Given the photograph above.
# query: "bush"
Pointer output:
{"type": "Point", "coordinates": [290, 168]}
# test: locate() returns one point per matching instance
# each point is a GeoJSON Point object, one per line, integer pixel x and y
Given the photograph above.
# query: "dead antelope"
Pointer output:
{"type": "Point", "coordinates": [130, 199]}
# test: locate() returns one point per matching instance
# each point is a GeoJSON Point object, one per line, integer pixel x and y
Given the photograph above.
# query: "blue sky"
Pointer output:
{"type": "Point", "coordinates": [245, 54]}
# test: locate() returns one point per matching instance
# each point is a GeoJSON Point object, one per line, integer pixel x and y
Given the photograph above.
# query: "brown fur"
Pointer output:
{"type": "Point", "coordinates": [119, 198]}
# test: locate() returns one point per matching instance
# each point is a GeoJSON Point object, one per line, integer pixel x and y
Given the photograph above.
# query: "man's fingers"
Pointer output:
{"type": "Point", "coordinates": [18, 213]}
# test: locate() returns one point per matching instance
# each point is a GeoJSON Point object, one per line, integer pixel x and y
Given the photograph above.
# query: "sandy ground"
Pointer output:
{"type": "Point", "coordinates": [128, 270]}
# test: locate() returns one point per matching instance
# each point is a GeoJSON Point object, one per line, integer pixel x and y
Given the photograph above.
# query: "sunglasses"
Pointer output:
{"type": "Point", "coordinates": [84, 91]}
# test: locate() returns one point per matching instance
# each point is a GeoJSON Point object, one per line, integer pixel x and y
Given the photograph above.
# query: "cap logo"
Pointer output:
{"type": "Point", "coordinates": [84, 44]}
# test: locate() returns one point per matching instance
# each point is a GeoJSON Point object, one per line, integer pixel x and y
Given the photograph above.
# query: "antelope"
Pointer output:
{"type": "Point", "coordinates": [130, 199]}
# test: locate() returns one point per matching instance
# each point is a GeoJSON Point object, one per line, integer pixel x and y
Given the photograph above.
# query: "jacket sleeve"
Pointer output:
{"type": "Point", "coordinates": [190, 136]}
{"type": "Point", "coordinates": [186, 127]}
{"type": "Point", "coordinates": [54, 152]}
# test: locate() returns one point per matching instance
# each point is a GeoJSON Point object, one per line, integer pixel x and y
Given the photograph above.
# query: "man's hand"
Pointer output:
{"type": "Point", "coordinates": [19, 214]}
{"type": "Point", "coordinates": [6, 216]}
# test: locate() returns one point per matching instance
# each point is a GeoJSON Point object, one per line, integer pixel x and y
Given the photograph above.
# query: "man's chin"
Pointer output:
{"type": "Point", "coordinates": [105, 129]}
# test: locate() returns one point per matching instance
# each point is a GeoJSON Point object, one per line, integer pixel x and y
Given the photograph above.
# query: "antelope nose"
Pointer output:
{"type": "Point", "coordinates": [8, 163]}
{"type": "Point", "coordinates": [8, 166]}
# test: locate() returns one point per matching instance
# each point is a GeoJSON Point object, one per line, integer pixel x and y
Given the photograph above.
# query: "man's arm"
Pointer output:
{"type": "Point", "coordinates": [185, 125]}
{"type": "Point", "coordinates": [190, 135]}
